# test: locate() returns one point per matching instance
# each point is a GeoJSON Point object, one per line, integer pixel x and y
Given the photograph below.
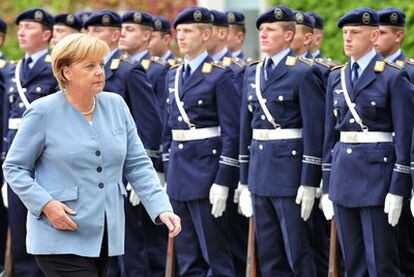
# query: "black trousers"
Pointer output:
{"type": "Point", "coordinates": [69, 265]}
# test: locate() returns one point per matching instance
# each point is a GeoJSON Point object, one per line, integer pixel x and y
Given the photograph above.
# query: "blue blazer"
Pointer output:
{"type": "Point", "coordinates": [81, 165]}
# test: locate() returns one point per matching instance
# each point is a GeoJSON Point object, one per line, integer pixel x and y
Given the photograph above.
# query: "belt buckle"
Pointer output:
{"type": "Point", "coordinates": [264, 135]}
{"type": "Point", "coordinates": [180, 136]}
{"type": "Point", "coordinates": [352, 138]}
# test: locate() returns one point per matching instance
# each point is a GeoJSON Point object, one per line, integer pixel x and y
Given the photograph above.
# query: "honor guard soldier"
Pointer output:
{"type": "Point", "coordinates": [65, 24]}
{"type": "Point", "coordinates": [83, 16]}
{"type": "Point", "coordinates": [315, 46]}
{"type": "Point", "coordinates": [392, 33]}
{"type": "Point", "coordinates": [130, 81]}
{"type": "Point", "coordinates": [161, 37]}
{"type": "Point", "coordinates": [30, 79]}
{"type": "Point", "coordinates": [366, 162]}
{"type": "Point", "coordinates": [203, 121]}
{"type": "Point", "coordinates": [281, 148]}
{"type": "Point", "coordinates": [237, 33]}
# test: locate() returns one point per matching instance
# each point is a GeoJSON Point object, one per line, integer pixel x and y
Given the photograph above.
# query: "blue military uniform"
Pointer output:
{"type": "Point", "coordinates": [36, 80]}
{"type": "Point", "coordinates": [361, 167]}
{"type": "Point", "coordinates": [279, 151]}
{"type": "Point", "coordinates": [203, 151]}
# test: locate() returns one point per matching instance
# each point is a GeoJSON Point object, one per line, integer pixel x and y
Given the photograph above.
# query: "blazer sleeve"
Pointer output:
{"type": "Point", "coordinates": [140, 173]}
{"type": "Point", "coordinates": [20, 161]}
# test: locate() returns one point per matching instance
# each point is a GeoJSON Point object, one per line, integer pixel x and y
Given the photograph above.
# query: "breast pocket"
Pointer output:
{"type": "Point", "coordinates": [281, 104]}
{"type": "Point", "coordinates": [372, 106]}
{"type": "Point", "coordinates": [65, 194]}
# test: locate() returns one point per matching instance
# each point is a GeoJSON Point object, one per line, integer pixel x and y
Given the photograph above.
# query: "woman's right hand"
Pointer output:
{"type": "Point", "coordinates": [57, 212]}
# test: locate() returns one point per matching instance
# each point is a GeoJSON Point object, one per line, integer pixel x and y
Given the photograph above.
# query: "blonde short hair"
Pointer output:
{"type": "Point", "coordinates": [75, 48]}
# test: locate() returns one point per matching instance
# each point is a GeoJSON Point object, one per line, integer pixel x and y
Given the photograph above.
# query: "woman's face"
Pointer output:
{"type": "Point", "coordinates": [87, 76]}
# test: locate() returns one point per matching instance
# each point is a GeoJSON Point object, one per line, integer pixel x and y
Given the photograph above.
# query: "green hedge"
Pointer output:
{"type": "Point", "coordinates": [332, 10]}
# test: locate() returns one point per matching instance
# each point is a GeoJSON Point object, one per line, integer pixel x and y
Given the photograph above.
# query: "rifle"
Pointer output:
{"type": "Point", "coordinates": [251, 265]}
{"type": "Point", "coordinates": [333, 252]}
{"type": "Point", "coordinates": [170, 266]}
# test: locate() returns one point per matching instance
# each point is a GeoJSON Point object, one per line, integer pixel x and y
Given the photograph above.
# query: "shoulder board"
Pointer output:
{"type": "Point", "coordinates": [175, 65]}
{"type": "Point", "coordinates": [238, 62]}
{"type": "Point", "coordinates": [338, 67]}
{"type": "Point", "coordinates": [227, 61]}
{"type": "Point", "coordinates": [48, 58]}
{"type": "Point", "coordinates": [2, 63]}
{"type": "Point", "coordinates": [207, 67]}
{"type": "Point", "coordinates": [290, 61]}
{"type": "Point", "coordinates": [254, 62]}
{"type": "Point", "coordinates": [157, 60]}
{"type": "Point", "coordinates": [145, 63]}
{"type": "Point", "coordinates": [115, 64]}
{"type": "Point", "coordinates": [127, 60]}
{"type": "Point", "coordinates": [306, 61]}
{"type": "Point", "coordinates": [216, 65]}
{"type": "Point", "coordinates": [400, 63]}
{"type": "Point", "coordinates": [14, 62]}
{"type": "Point", "coordinates": [410, 61]}
{"type": "Point", "coordinates": [381, 67]}
{"type": "Point", "coordinates": [171, 62]}
{"type": "Point", "coordinates": [321, 62]}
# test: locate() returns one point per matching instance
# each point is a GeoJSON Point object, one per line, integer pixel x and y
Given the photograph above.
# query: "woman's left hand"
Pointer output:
{"type": "Point", "coordinates": [173, 223]}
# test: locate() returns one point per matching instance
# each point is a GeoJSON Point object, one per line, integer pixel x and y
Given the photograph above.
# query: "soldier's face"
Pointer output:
{"type": "Point", "coordinates": [359, 40]}
{"type": "Point", "coordinates": [158, 43]}
{"type": "Point", "coordinates": [192, 39]}
{"type": "Point", "coordinates": [133, 38]}
{"type": "Point", "coordinates": [389, 40]}
{"type": "Point", "coordinates": [110, 35]}
{"type": "Point", "coordinates": [59, 32]}
{"type": "Point", "coordinates": [87, 76]}
{"type": "Point", "coordinates": [272, 38]}
{"type": "Point", "coordinates": [234, 39]}
{"type": "Point", "coordinates": [32, 37]}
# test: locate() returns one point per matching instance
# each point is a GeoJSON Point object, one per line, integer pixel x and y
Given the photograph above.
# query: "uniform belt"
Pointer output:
{"type": "Point", "coordinates": [195, 134]}
{"type": "Point", "coordinates": [275, 134]}
{"type": "Point", "coordinates": [365, 137]}
{"type": "Point", "coordinates": [14, 123]}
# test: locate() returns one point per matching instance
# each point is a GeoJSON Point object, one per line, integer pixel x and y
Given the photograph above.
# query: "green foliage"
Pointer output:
{"type": "Point", "coordinates": [332, 10]}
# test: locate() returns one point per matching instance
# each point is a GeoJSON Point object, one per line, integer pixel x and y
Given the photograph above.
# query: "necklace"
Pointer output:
{"type": "Point", "coordinates": [91, 110]}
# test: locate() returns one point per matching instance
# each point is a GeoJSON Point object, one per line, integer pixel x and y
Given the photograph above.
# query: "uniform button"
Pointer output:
{"type": "Point", "coordinates": [101, 185]}
{"type": "Point", "coordinates": [353, 105]}
{"type": "Point", "coordinates": [264, 100]}
{"type": "Point", "coordinates": [214, 151]}
{"type": "Point", "coordinates": [11, 89]}
{"type": "Point", "coordinates": [38, 89]}
{"type": "Point", "coordinates": [11, 99]}
{"type": "Point", "coordinates": [168, 100]}
{"type": "Point", "coordinates": [99, 169]}
{"type": "Point", "coordinates": [280, 98]}
{"type": "Point", "coordinates": [13, 80]}
{"type": "Point", "coordinates": [24, 89]}
{"type": "Point", "coordinates": [21, 105]}
{"type": "Point", "coordinates": [351, 120]}
{"type": "Point", "coordinates": [181, 146]}
{"type": "Point", "coordinates": [98, 153]}
{"type": "Point", "coordinates": [263, 117]}
{"type": "Point", "coordinates": [336, 102]}
{"type": "Point", "coordinates": [385, 159]}
{"type": "Point", "coordinates": [180, 118]}
{"type": "Point", "coordinates": [294, 152]}
{"type": "Point", "coordinates": [182, 103]}
{"type": "Point", "coordinates": [250, 97]}
{"type": "Point", "coordinates": [373, 103]}
{"type": "Point", "coordinates": [261, 147]}
{"type": "Point", "coordinates": [349, 150]}
{"type": "Point", "coordinates": [200, 102]}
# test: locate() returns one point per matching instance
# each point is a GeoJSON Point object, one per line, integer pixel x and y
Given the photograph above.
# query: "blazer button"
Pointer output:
{"type": "Point", "coordinates": [99, 169]}
{"type": "Point", "coordinates": [98, 153]}
{"type": "Point", "coordinates": [101, 185]}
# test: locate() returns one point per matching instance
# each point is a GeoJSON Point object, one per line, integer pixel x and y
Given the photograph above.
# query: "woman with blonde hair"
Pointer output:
{"type": "Point", "coordinates": [66, 165]}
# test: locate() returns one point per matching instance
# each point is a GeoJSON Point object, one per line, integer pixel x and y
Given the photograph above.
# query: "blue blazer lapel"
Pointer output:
{"type": "Point", "coordinates": [278, 72]}
{"type": "Point", "coordinates": [39, 66]}
{"type": "Point", "coordinates": [368, 76]}
{"type": "Point", "coordinates": [348, 83]}
{"type": "Point", "coordinates": [194, 78]}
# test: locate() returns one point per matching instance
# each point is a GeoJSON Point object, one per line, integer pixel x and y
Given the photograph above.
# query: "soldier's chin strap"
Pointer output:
{"type": "Point", "coordinates": [178, 101]}
{"type": "Point", "coordinates": [19, 85]}
{"type": "Point", "coordinates": [350, 104]}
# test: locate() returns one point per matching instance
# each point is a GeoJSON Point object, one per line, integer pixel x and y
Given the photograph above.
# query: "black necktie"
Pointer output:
{"type": "Point", "coordinates": [186, 72]}
{"type": "Point", "coordinates": [268, 68]}
{"type": "Point", "coordinates": [355, 78]}
{"type": "Point", "coordinates": [26, 68]}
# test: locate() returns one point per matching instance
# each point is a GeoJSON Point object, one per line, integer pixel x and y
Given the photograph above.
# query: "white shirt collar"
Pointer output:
{"type": "Point", "coordinates": [235, 54]}
{"type": "Point", "coordinates": [278, 57]}
{"type": "Point", "coordinates": [316, 53]}
{"type": "Point", "coordinates": [394, 56]}
{"type": "Point", "coordinates": [364, 61]}
{"type": "Point", "coordinates": [138, 57]}
{"type": "Point", "coordinates": [220, 54]}
{"type": "Point", "coordinates": [165, 57]}
{"type": "Point", "coordinates": [195, 63]}
{"type": "Point", "coordinates": [35, 57]}
{"type": "Point", "coordinates": [109, 56]}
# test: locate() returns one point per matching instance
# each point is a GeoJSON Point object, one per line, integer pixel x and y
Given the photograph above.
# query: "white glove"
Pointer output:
{"type": "Point", "coordinates": [218, 198]}
{"type": "Point", "coordinates": [161, 177]}
{"type": "Point", "coordinates": [133, 197]}
{"type": "Point", "coordinates": [4, 195]}
{"type": "Point", "coordinates": [412, 205]}
{"type": "Point", "coordinates": [237, 193]}
{"type": "Point", "coordinates": [319, 190]}
{"type": "Point", "coordinates": [245, 202]}
{"type": "Point", "coordinates": [326, 206]}
{"type": "Point", "coordinates": [306, 198]}
{"type": "Point", "coordinates": [393, 207]}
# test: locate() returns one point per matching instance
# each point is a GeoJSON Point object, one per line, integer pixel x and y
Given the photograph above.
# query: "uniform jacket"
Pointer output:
{"type": "Point", "coordinates": [210, 99]}
{"type": "Point", "coordinates": [295, 99]}
{"type": "Point", "coordinates": [358, 175]}
{"type": "Point", "coordinates": [82, 166]}
{"type": "Point", "coordinates": [237, 65]}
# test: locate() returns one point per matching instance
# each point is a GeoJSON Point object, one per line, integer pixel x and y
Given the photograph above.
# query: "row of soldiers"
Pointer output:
{"type": "Point", "coordinates": [233, 139]}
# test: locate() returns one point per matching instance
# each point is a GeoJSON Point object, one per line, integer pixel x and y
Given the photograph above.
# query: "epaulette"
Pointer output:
{"type": "Point", "coordinates": [207, 67]}
{"type": "Point", "coordinates": [379, 66]}
{"type": "Point", "coordinates": [238, 62]}
{"type": "Point", "coordinates": [290, 61]}
{"type": "Point", "coordinates": [322, 62]}
{"type": "Point", "coordinates": [389, 63]}
{"type": "Point", "coordinates": [306, 61]}
{"type": "Point", "coordinates": [48, 58]}
{"type": "Point", "coordinates": [145, 63]}
{"type": "Point", "coordinates": [400, 63]}
{"type": "Point", "coordinates": [127, 60]}
{"type": "Point", "coordinates": [217, 65]}
{"type": "Point", "coordinates": [157, 60]}
{"type": "Point", "coordinates": [171, 62]}
{"type": "Point", "coordinates": [338, 67]}
{"type": "Point", "coordinates": [254, 62]}
{"type": "Point", "coordinates": [115, 64]}
{"type": "Point", "coordinates": [2, 63]}
{"type": "Point", "coordinates": [227, 61]}
{"type": "Point", "coordinates": [410, 61]}
{"type": "Point", "coordinates": [175, 65]}
{"type": "Point", "coordinates": [249, 60]}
